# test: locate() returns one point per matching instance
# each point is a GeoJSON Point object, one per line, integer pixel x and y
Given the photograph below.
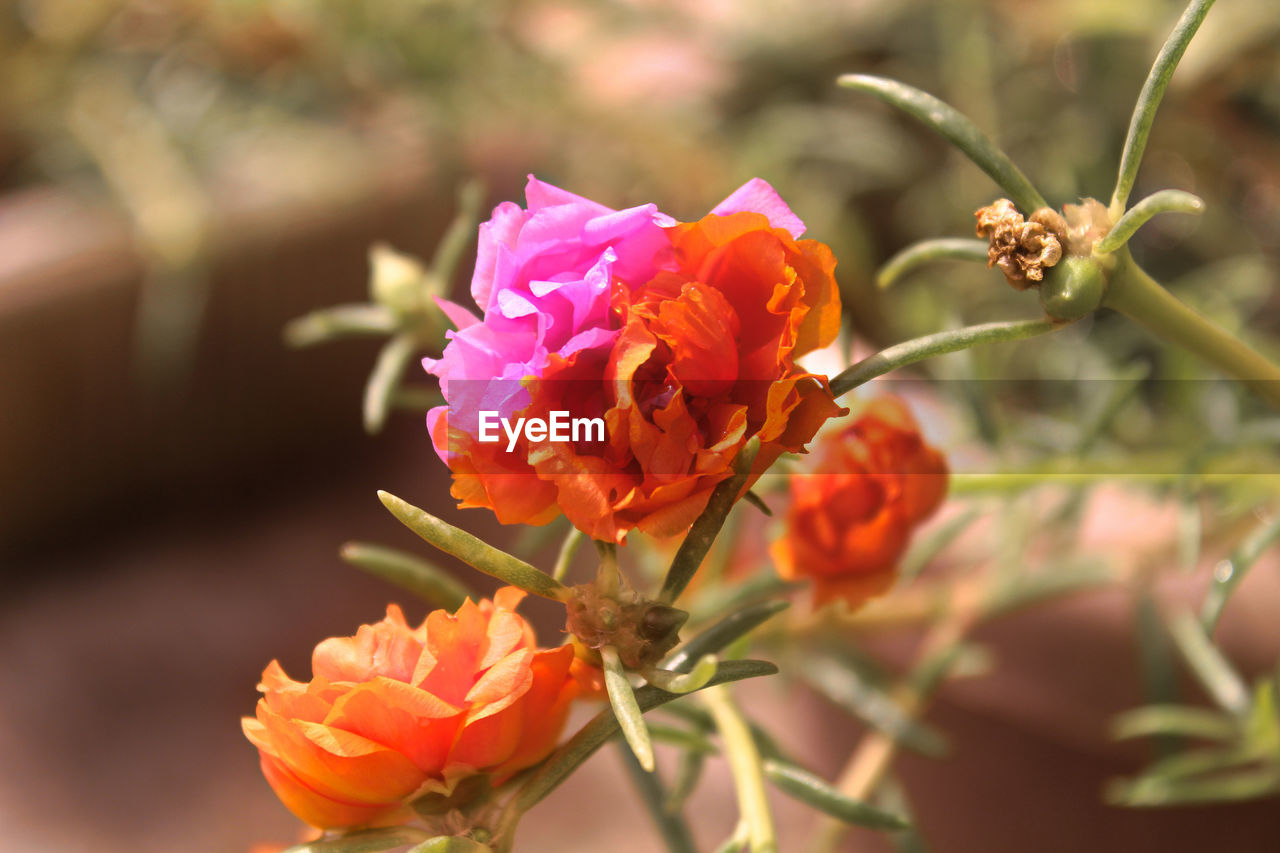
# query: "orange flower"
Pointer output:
{"type": "Point", "coordinates": [849, 524]}
{"type": "Point", "coordinates": [682, 343]}
{"type": "Point", "coordinates": [396, 712]}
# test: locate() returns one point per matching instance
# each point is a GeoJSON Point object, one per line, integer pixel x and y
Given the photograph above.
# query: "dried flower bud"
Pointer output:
{"type": "Point", "coordinates": [643, 631]}
{"type": "Point", "coordinates": [1021, 248]}
{"type": "Point", "coordinates": [1087, 223]}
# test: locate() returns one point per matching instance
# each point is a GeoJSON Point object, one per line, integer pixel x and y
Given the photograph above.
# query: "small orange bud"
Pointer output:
{"type": "Point", "coordinates": [849, 524]}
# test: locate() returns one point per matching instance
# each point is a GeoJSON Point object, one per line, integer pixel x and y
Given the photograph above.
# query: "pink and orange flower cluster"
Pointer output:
{"type": "Point", "coordinates": [681, 337]}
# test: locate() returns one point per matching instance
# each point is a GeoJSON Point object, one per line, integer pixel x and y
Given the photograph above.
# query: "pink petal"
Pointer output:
{"type": "Point", "coordinates": [757, 196]}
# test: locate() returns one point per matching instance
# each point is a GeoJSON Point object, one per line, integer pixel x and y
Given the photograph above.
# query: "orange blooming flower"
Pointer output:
{"type": "Point", "coordinates": [682, 340]}
{"type": "Point", "coordinates": [850, 522]}
{"type": "Point", "coordinates": [395, 712]}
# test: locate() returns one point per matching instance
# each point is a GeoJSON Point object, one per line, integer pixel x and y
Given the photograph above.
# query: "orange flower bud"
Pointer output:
{"type": "Point", "coordinates": [396, 712]}
{"type": "Point", "coordinates": [849, 524]}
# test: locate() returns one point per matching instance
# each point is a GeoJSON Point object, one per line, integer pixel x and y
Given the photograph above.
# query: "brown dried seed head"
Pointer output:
{"type": "Point", "coordinates": [1021, 248]}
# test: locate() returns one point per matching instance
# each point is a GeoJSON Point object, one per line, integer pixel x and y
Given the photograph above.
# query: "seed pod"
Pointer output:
{"type": "Point", "coordinates": [1072, 288]}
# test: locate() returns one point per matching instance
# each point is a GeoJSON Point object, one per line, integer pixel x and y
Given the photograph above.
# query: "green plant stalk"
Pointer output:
{"type": "Point", "coordinates": [747, 768]}
{"type": "Point", "coordinates": [671, 825]}
{"type": "Point", "coordinates": [1141, 298]}
{"type": "Point", "coordinates": [569, 755]}
{"type": "Point", "coordinates": [1144, 111]}
{"type": "Point", "coordinates": [919, 349]}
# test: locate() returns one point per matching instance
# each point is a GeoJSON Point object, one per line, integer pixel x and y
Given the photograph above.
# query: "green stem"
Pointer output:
{"type": "Point", "coordinates": [927, 252]}
{"type": "Point", "coordinates": [1141, 298]}
{"type": "Point", "coordinates": [670, 824]}
{"type": "Point", "coordinates": [1165, 201]}
{"type": "Point", "coordinates": [747, 769]}
{"type": "Point", "coordinates": [1144, 112]}
{"type": "Point", "coordinates": [918, 349]}
{"type": "Point", "coordinates": [957, 129]}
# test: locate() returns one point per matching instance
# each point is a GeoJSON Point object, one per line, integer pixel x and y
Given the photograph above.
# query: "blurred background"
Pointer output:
{"type": "Point", "coordinates": [180, 178]}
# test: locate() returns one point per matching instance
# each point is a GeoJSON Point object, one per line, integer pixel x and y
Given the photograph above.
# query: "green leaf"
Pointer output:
{"type": "Point", "coordinates": [927, 252]}
{"type": "Point", "coordinates": [430, 583]}
{"type": "Point", "coordinates": [688, 772]}
{"type": "Point", "coordinates": [364, 841]}
{"type": "Point", "coordinates": [1150, 791]}
{"type": "Point", "coordinates": [722, 633]}
{"type": "Point", "coordinates": [472, 551]}
{"type": "Point", "coordinates": [1180, 720]}
{"type": "Point", "coordinates": [682, 682]}
{"type": "Point", "coordinates": [1144, 111]}
{"type": "Point", "coordinates": [568, 550]}
{"type": "Point", "coordinates": [384, 381]}
{"type": "Point", "coordinates": [669, 822]}
{"type": "Point", "coordinates": [683, 738]}
{"type": "Point", "coordinates": [929, 346]}
{"type": "Point", "coordinates": [1263, 729]}
{"type": "Point", "coordinates": [697, 542]}
{"type": "Point", "coordinates": [745, 768]}
{"type": "Point", "coordinates": [1164, 201]}
{"type": "Point", "coordinates": [811, 789]}
{"type": "Point", "coordinates": [1228, 574]}
{"type": "Point", "coordinates": [956, 129]}
{"type": "Point", "coordinates": [460, 232]}
{"type": "Point", "coordinates": [625, 708]}
{"type": "Point", "coordinates": [571, 754]}
{"type": "Point", "coordinates": [451, 844]}
{"type": "Point", "coordinates": [340, 321]}
{"type": "Point", "coordinates": [1213, 670]}
{"type": "Point", "coordinates": [847, 688]}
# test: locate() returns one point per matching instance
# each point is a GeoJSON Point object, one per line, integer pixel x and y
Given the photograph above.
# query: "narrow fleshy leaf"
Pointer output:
{"type": "Point", "coordinates": [571, 754]}
{"type": "Point", "coordinates": [430, 583]}
{"type": "Point", "coordinates": [846, 688]}
{"type": "Point", "coordinates": [384, 381]}
{"type": "Point", "coordinates": [472, 551]}
{"type": "Point", "coordinates": [623, 700]}
{"type": "Point", "coordinates": [1164, 201]}
{"type": "Point", "coordinates": [683, 682]}
{"type": "Point", "coordinates": [670, 823]}
{"type": "Point", "coordinates": [891, 797]}
{"type": "Point", "coordinates": [758, 502]}
{"type": "Point", "coordinates": [568, 550]}
{"type": "Point", "coordinates": [1214, 671]}
{"type": "Point", "coordinates": [746, 769]}
{"type": "Point", "coordinates": [1181, 720]}
{"type": "Point", "coordinates": [1228, 573]}
{"type": "Point", "coordinates": [721, 634]}
{"type": "Point", "coordinates": [460, 232]}
{"type": "Point", "coordinates": [928, 252]}
{"type": "Point", "coordinates": [1144, 111]}
{"type": "Point", "coordinates": [1158, 660]}
{"type": "Point", "coordinates": [340, 321]}
{"type": "Point", "coordinates": [813, 790]}
{"type": "Point", "coordinates": [683, 738]}
{"type": "Point", "coordinates": [1249, 784]}
{"type": "Point", "coordinates": [697, 542]}
{"type": "Point", "coordinates": [364, 841]}
{"type": "Point", "coordinates": [450, 844]}
{"type": "Point", "coordinates": [929, 346]}
{"type": "Point", "coordinates": [957, 129]}
{"type": "Point", "coordinates": [688, 773]}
